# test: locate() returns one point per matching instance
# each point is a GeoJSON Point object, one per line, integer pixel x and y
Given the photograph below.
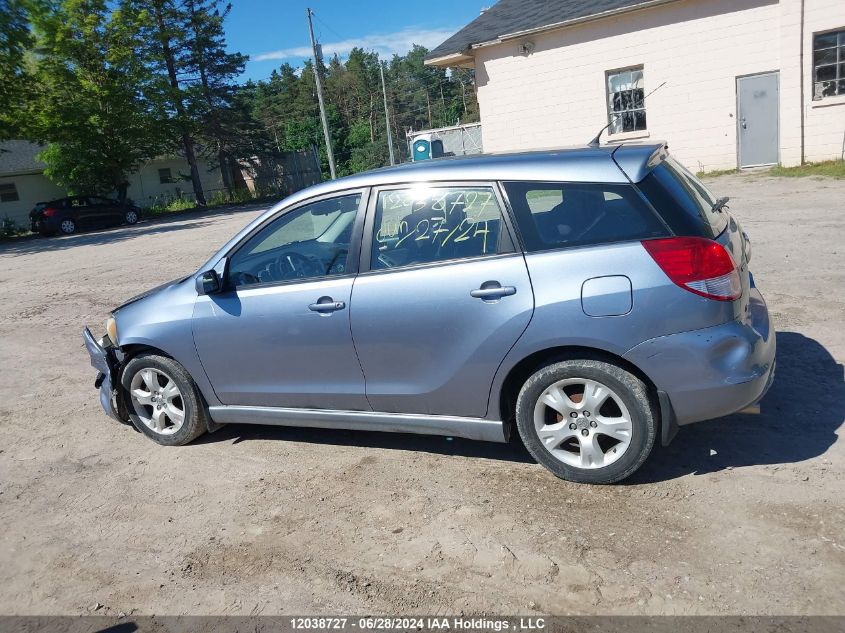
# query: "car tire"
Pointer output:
{"type": "Point", "coordinates": [163, 401]}
{"type": "Point", "coordinates": [560, 431]}
{"type": "Point", "coordinates": [67, 227]}
{"type": "Point", "coordinates": [131, 216]}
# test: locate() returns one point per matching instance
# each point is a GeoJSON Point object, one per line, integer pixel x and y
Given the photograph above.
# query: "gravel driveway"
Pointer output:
{"type": "Point", "coordinates": [740, 515]}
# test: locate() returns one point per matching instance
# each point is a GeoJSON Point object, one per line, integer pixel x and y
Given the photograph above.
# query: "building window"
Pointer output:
{"type": "Point", "coordinates": [8, 192]}
{"type": "Point", "coordinates": [164, 176]}
{"type": "Point", "coordinates": [626, 100]}
{"type": "Point", "coordinates": [828, 64]}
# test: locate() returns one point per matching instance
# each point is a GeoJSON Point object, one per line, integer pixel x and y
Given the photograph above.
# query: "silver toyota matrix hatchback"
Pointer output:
{"type": "Point", "coordinates": [594, 299]}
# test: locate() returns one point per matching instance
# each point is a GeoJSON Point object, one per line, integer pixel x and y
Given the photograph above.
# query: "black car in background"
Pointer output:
{"type": "Point", "coordinates": [69, 215]}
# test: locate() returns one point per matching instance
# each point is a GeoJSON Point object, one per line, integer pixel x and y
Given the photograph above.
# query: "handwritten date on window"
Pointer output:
{"type": "Point", "coordinates": [440, 218]}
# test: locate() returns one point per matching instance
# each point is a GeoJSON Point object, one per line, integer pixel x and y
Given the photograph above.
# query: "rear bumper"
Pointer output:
{"type": "Point", "coordinates": [104, 362]}
{"type": "Point", "coordinates": [715, 371]}
{"type": "Point", "coordinates": [44, 224]}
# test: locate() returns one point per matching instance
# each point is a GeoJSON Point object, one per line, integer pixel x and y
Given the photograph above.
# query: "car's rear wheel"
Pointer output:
{"type": "Point", "coordinates": [164, 403]}
{"type": "Point", "coordinates": [131, 216]}
{"type": "Point", "coordinates": [67, 226]}
{"type": "Point", "coordinates": [586, 421]}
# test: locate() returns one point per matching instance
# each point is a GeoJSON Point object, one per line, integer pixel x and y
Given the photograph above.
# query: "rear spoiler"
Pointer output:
{"type": "Point", "coordinates": [632, 164]}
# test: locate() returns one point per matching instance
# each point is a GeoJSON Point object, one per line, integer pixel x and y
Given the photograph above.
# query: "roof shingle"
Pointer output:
{"type": "Point", "coordinates": [19, 156]}
{"type": "Point", "coordinates": [513, 16]}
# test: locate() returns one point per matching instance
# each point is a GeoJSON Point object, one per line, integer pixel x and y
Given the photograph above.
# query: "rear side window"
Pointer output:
{"type": "Point", "coordinates": [682, 200]}
{"type": "Point", "coordinates": [556, 215]}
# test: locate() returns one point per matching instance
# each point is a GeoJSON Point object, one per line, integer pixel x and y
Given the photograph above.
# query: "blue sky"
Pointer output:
{"type": "Point", "coordinates": [272, 32]}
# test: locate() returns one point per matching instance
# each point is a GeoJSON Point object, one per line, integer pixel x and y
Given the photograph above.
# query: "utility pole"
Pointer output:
{"type": "Point", "coordinates": [386, 115]}
{"type": "Point", "coordinates": [329, 151]}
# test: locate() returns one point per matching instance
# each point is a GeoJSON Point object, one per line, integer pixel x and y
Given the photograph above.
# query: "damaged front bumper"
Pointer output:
{"type": "Point", "coordinates": [104, 361]}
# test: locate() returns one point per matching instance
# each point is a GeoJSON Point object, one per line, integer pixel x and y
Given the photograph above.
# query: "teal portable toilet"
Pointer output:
{"type": "Point", "coordinates": [422, 149]}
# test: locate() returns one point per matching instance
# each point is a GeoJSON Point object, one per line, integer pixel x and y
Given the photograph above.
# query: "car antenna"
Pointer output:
{"type": "Point", "coordinates": [595, 142]}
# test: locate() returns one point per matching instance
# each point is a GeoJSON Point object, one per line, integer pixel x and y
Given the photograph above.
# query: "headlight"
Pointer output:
{"type": "Point", "coordinates": [111, 330]}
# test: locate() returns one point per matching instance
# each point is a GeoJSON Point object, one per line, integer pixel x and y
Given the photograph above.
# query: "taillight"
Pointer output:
{"type": "Point", "coordinates": [50, 212]}
{"type": "Point", "coordinates": [699, 265]}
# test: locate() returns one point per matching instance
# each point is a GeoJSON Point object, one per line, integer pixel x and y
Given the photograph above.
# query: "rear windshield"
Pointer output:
{"type": "Point", "coordinates": [682, 200]}
{"type": "Point", "coordinates": [557, 215]}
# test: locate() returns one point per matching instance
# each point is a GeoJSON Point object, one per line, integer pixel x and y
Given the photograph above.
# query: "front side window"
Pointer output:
{"type": "Point", "coordinates": [420, 225]}
{"type": "Point", "coordinates": [8, 192]}
{"type": "Point", "coordinates": [626, 100]}
{"type": "Point", "coordinates": [828, 64]}
{"type": "Point", "coordinates": [556, 215]}
{"type": "Point", "coordinates": [306, 243]}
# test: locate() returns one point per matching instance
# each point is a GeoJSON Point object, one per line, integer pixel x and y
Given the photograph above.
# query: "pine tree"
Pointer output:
{"type": "Point", "coordinates": [225, 127]}
{"type": "Point", "coordinates": [168, 47]}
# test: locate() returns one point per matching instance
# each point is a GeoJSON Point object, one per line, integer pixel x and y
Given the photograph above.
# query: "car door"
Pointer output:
{"type": "Point", "coordinates": [108, 210]}
{"type": "Point", "coordinates": [442, 296]}
{"type": "Point", "coordinates": [278, 334]}
{"type": "Point", "coordinates": [78, 208]}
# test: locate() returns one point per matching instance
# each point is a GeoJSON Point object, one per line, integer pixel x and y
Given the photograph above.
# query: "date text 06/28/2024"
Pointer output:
{"type": "Point", "coordinates": [418, 623]}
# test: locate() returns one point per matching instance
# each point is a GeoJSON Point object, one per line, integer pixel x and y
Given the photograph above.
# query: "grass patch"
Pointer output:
{"type": "Point", "coordinates": [830, 168]}
{"type": "Point", "coordinates": [173, 206]}
{"type": "Point", "coordinates": [716, 172]}
{"type": "Point", "coordinates": [10, 228]}
{"type": "Point", "coordinates": [217, 199]}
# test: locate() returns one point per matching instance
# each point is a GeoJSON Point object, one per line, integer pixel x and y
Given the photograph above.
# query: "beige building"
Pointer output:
{"type": "Point", "coordinates": [726, 82]}
{"type": "Point", "coordinates": [23, 183]}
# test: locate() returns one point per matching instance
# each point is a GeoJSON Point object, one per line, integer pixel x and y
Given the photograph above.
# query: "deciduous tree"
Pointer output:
{"type": "Point", "coordinates": [95, 104]}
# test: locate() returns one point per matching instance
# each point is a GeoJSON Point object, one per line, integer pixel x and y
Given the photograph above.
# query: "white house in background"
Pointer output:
{"type": "Point", "coordinates": [23, 183]}
{"type": "Point", "coordinates": [727, 82]}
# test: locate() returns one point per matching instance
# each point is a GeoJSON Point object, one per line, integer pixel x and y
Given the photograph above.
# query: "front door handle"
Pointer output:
{"type": "Point", "coordinates": [324, 305]}
{"type": "Point", "coordinates": [491, 290]}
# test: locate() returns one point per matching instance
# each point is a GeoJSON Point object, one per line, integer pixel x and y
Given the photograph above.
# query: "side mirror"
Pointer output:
{"type": "Point", "coordinates": [208, 283]}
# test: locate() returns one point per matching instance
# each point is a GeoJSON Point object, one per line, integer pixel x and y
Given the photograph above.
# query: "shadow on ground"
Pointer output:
{"type": "Point", "coordinates": [511, 452]}
{"type": "Point", "coordinates": [799, 419]}
{"type": "Point", "coordinates": [153, 226]}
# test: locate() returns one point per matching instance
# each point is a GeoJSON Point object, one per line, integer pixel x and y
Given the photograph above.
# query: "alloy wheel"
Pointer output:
{"type": "Point", "coordinates": [157, 401]}
{"type": "Point", "coordinates": [67, 226]}
{"type": "Point", "coordinates": [131, 217]}
{"type": "Point", "coordinates": [583, 423]}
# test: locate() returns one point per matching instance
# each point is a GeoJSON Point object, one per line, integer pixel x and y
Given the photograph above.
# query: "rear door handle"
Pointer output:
{"type": "Point", "coordinates": [325, 305]}
{"type": "Point", "coordinates": [492, 290]}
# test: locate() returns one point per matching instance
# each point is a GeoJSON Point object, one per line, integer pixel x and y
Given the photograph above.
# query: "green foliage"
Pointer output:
{"type": "Point", "coordinates": [237, 196]}
{"type": "Point", "coordinates": [419, 97]}
{"type": "Point", "coordinates": [108, 85]}
{"type": "Point", "coordinates": [716, 172]}
{"type": "Point", "coordinates": [94, 104]}
{"type": "Point", "coordinates": [219, 198]}
{"type": "Point", "coordinates": [10, 228]}
{"type": "Point", "coordinates": [171, 206]}
{"type": "Point", "coordinates": [15, 83]}
{"type": "Point", "coordinates": [831, 168]}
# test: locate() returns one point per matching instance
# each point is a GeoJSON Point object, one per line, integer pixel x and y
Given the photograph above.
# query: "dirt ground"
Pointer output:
{"type": "Point", "coordinates": [742, 515]}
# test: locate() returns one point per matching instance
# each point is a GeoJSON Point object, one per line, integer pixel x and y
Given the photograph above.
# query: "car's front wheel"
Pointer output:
{"type": "Point", "coordinates": [67, 226]}
{"type": "Point", "coordinates": [164, 403]}
{"type": "Point", "coordinates": [586, 421]}
{"type": "Point", "coordinates": [131, 216]}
